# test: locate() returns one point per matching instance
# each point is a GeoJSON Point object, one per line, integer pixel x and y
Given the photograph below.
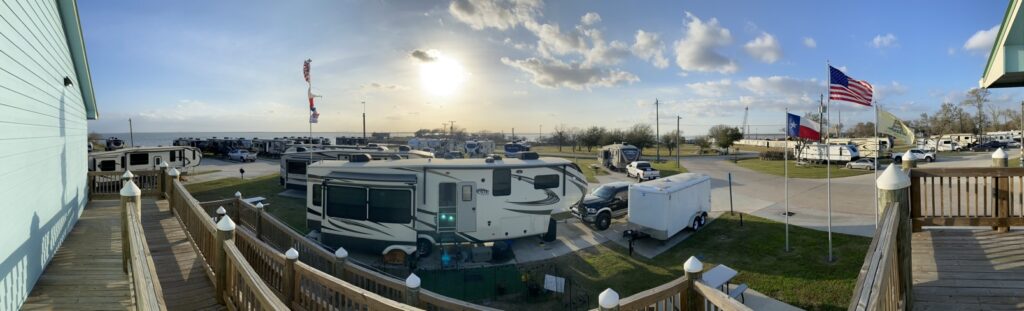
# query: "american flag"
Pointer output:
{"type": "Point", "coordinates": [305, 69]}
{"type": "Point", "coordinates": [844, 88]}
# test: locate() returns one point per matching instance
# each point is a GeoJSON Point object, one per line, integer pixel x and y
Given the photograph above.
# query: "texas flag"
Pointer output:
{"type": "Point", "coordinates": [801, 127]}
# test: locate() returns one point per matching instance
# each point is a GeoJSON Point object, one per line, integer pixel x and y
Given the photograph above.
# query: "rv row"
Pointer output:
{"type": "Point", "coordinates": [619, 156]}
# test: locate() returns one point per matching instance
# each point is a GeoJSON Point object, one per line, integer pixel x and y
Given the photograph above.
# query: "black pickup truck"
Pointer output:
{"type": "Point", "coordinates": [607, 201]}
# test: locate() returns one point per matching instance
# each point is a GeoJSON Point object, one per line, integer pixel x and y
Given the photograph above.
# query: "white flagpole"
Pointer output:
{"type": "Point", "coordinates": [785, 164]}
{"type": "Point", "coordinates": [878, 149]}
{"type": "Point", "coordinates": [828, 161]}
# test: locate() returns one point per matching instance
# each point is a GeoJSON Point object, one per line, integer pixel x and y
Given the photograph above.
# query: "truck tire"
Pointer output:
{"type": "Point", "coordinates": [603, 221]}
{"type": "Point", "coordinates": [930, 159]}
{"type": "Point", "coordinates": [424, 247]}
{"type": "Point", "coordinates": [552, 233]}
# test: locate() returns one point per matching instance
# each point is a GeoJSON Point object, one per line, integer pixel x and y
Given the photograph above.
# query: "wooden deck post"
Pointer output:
{"type": "Point", "coordinates": [894, 192]}
{"type": "Point", "coordinates": [907, 161]}
{"type": "Point", "coordinates": [172, 176]}
{"type": "Point", "coordinates": [259, 221]}
{"type": "Point", "coordinates": [130, 193]}
{"type": "Point", "coordinates": [608, 300]}
{"type": "Point", "coordinates": [340, 260]}
{"type": "Point", "coordinates": [1002, 192]}
{"type": "Point", "coordinates": [693, 268]}
{"type": "Point", "coordinates": [163, 178]}
{"type": "Point", "coordinates": [412, 290]}
{"type": "Point", "coordinates": [225, 232]}
{"type": "Point", "coordinates": [238, 205]}
{"type": "Point", "coordinates": [288, 278]}
{"type": "Point", "coordinates": [221, 213]}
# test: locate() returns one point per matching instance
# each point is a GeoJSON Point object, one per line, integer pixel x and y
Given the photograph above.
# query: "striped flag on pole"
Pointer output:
{"type": "Point", "coordinates": [844, 88]}
{"type": "Point", "coordinates": [305, 69]}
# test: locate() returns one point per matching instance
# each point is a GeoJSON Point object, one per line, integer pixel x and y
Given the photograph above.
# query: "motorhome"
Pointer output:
{"type": "Point", "coordinates": [821, 153]}
{"type": "Point", "coordinates": [114, 143]}
{"type": "Point", "coordinates": [295, 161]}
{"type": "Point", "coordinates": [145, 158]}
{"type": "Point", "coordinates": [478, 148]}
{"type": "Point", "coordinates": [411, 205]}
{"type": "Point", "coordinates": [617, 156]}
{"type": "Point", "coordinates": [867, 146]}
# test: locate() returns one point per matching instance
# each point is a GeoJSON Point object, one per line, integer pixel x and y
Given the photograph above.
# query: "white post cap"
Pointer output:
{"type": "Point", "coordinates": [608, 299]}
{"type": "Point", "coordinates": [259, 205]}
{"type": "Point", "coordinates": [999, 154]}
{"type": "Point", "coordinates": [412, 281]}
{"type": "Point", "coordinates": [130, 190]}
{"type": "Point", "coordinates": [226, 224]}
{"type": "Point", "coordinates": [238, 194]}
{"type": "Point", "coordinates": [693, 265]}
{"type": "Point", "coordinates": [340, 252]}
{"type": "Point", "coordinates": [291, 254]}
{"type": "Point", "coordinates": [221, 211]}
{"type": "Point", "coordinates": [907, 156]}
{"type": "Point", "coordinates": [892, 178]}
{"type": "Point", "coordinates": [163, 164]}
{"type": "Point", "coordinates": [173, 172]}
{"type": "Point", "coordinates": [128, 174]}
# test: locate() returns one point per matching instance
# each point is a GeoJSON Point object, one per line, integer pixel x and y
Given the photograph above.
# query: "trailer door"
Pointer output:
{"type": "Point", "coordinates": [465, 221]}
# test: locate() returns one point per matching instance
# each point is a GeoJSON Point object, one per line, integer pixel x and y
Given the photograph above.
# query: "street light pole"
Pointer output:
{"type": "Point", "coordinates": [364, 121]}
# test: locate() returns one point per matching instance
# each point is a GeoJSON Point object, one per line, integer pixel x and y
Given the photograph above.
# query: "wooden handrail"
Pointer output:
{"type": "Point", "coordinates": [146, 286]}
{"type": "Point", "coordinates": [245, 289]}
{"type": "Point", "coordinates": [317, 290]}
{"type": "Point", "coordinates": [672, 293]}
{"type": "Point", "coordinates": [881, 282]}
{"type": "Point", "coordinates": [719, 299]}
{"type": "Point", "coordinates": [107, 185]}
{"type": "Point", "coordinates": [985, 196]}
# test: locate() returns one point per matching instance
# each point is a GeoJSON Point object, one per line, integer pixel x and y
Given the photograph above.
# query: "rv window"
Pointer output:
{"type": "Point", "coordinates": [296, 167]}
{"type": "Point", "coordinates": [346, 202]}
{"type": "Point", "coordinates": [502, 182]}
{"type": "Point", "coordinates": [467, 193]}
{"type": "Point", "coordinates": [173, 156]}
{"type": "Point", "coordinates": [138, 159]}
{"type": "Point", "coordinates": [318, 194]}
{"type": "Point", "coordinates": [545, 181]}
{"type": "Point", "coordinates": [446, 194]}
{"type": "Point", "coordinates": [391, 206]}
{"type": "Point", "coordinates": [108, 165]}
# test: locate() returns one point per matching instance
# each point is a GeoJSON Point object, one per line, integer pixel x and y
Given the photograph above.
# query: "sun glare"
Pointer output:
{"type": "Point", "coordinates": [442, 77]}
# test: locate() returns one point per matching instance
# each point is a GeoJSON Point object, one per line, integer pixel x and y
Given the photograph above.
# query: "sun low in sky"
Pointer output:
{"type": "Point", "coordinates": [440, 75]}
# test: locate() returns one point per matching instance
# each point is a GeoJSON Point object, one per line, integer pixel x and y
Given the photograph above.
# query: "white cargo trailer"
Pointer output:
{"type": "Point", "coordinates": [663, 207]}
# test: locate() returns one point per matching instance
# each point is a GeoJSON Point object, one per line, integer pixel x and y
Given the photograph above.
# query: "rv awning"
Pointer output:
{"type": "Point", "coordinates": [1005, 67]}
{"type": "Point", "coordinates": [402, 178]}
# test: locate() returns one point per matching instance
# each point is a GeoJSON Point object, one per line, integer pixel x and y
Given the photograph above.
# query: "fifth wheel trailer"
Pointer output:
{"type": "Point", "coordinates": [663, 207]}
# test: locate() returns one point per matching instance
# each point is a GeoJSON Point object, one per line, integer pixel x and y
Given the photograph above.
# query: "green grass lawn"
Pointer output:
{"type": "Point", "coordinates": [589, 172]}
{"type": "Point", "coordinates": [801, 277]}
{"type": "Point", "coordinates": [685, 149]}
{"type": "Point", "coordinates": [809, 171]}
{"type": "Point", "coordinates": [290, 210]}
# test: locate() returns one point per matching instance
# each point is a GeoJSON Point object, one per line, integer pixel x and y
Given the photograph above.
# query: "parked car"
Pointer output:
{"type": "Point", "coordinates": [600, 206]}
{"type": "Point", "coordinates": [988, 146]}
{"type": "Point", "coordinates": [642, 170]}
{"type": "Point", "coordinates": [863, 164]}
{"type": "Point", "coordinates": [242, 155]}
{"type": "Point", "coordinates": [918, 154]}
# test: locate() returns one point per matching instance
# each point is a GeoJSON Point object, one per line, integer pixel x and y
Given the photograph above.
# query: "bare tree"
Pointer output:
{"type": "Point", "coordinates": [560, 136]}
{"type": "Point", "coordinates": [976, 98]}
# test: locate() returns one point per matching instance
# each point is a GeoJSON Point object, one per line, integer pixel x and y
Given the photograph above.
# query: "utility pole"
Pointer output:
{"type": "Point", "coordinates": [680, 135]}
{"type": "Point", "coordinates": [657, 131]}
{"type": "Point", "coordinates": [364, 121]}
{"type": "Point", "coordinates": [540, 132]}
{"type": "Point", "coordinates": [131, 134]}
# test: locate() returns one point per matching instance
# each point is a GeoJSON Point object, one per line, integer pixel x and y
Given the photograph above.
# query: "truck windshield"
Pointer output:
{"type": "Point", "coordinates": [604, 192]}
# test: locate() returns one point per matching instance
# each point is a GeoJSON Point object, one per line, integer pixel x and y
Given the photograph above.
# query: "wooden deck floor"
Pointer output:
{"type": "Point", "coordinates": [968, 270]}
{"type": "Point", "coordinates": [85, 273]}
{"type": "Point", "coordinates": [185, 283]}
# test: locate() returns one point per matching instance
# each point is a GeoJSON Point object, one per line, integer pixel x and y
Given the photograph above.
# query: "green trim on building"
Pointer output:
{"type": "Point", "coordinates": [76, 46]}
{"type": "Point", "coordinates": [1003, 27]}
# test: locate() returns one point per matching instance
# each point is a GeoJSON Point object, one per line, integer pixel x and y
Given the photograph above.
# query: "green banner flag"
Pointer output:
{"type": "Point", "coordinates": [889, 124]}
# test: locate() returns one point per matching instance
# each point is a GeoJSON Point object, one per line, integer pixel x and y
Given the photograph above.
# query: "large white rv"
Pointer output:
{"type": "Point", "coordinates": [410, 205]}
{"type": "Point", "coordinates": [820, 153]}
{"type": "Point", "coordinates": [145, 158]}
{"type": "Point", "coordinates": [867, 146]}
{"type": "Point", "coordinates": [478, 148]}
{"type": "Point", "coordinates": [295, 161]}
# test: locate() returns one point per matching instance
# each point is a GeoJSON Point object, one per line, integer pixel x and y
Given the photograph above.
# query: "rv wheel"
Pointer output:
{"type": "Point", "coordinates": [604, 220]}
{"type": "Point", "coordinates": [424, 247]}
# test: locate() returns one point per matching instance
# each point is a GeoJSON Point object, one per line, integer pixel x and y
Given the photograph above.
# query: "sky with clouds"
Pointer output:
{"type": "Point", "coordinates": [498, 65]}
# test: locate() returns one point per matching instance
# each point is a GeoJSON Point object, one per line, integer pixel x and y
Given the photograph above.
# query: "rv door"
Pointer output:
{"type": "Point", "coordinates": [465, 220]}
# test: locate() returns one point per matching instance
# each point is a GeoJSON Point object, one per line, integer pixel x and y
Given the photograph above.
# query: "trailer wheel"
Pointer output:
{"type": "Point", "coordinates": [696, 223]}
{"type": "Point", "coordinates": [703, 219]}
{"type": "Point", "coordinates": [424, 247]}
{"type": "Point", "coordinates": [603, 221]}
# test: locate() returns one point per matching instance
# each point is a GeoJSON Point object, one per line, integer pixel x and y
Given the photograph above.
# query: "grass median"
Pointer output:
{"type": "Point", "coordinates": [290, 210]}
{"type": "Point", "coordinates": [801, 171]}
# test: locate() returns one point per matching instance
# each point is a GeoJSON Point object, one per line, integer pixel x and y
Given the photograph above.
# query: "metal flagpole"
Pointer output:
{"type": "Point", "coordinates": [828, 162]}
{"type": "Point", "coordinates": [878, 149]}
{"type": "Point", "coordinates": [785, 164]}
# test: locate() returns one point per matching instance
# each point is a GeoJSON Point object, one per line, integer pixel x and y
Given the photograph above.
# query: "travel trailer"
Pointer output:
{"type": "Point", "coordinates": [432, 144]}
{"type": "Point", "coordinates": [821, 153]}
{"type": "Point", "coordinates": [114, 143]}
{"type": "Point", "coordinates": [1004, 136]}
{"type": "Point", "coordinates": [942, 144]}
{"type": "Point", "coordinates": [411, 205]}
{"type": "Point", "coordinates": [272, 147]}
{"type": "Point", "coordinates": [145, 158]}
{"type": "Point", "coordinates": [867, 145]}
{"type": "Point", "coordinates": [617, 156]}
{"type": "Point", "coordinates": [295, 161]}
{"type": "Point", "coordinates": [478, 148]}
{"type": "Point", "coordinates": [663, 207]}
{"type": "Point", "coordinates": [963, 139]}
{"type": "Point", "coordinates": [513, 148]}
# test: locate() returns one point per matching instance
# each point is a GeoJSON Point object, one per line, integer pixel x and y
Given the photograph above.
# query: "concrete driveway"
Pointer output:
{"type": "Point", "coordinates": [225, 169]}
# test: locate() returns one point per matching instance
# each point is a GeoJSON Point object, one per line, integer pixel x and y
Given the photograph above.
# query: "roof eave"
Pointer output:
{"type": "Point", "coordinates": [68, 10]}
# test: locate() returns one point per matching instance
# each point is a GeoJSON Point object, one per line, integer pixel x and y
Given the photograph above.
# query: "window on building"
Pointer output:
{"type": "Point", "coordinates": [467, 193]}
{"type": "Point", "coordinates": [346, 202]}
{"type": "Point", "coordinates": [296, 167]}
{"type": "Point", "coordinates": [391, 206]}
{"type": "Point", "coordinates": [108, 165]}
{"type": "Point", "coordinates": [318, 194]}
{"type": "Point", "coordinates": [138, 159]}
{"type": "Point", "coordinates": [546, 181]}
{"type": "Point", "coordinates": [502, 179]}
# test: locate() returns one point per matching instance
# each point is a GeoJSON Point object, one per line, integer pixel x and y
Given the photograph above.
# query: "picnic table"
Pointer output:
{"type": "Point", "coordinates": [719, 277]}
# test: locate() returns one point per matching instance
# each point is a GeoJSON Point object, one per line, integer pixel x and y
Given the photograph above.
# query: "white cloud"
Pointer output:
{"type": "Point", "coordinates": [982, 41]}
{"type": "Point", "coordinates": [764, 48]}
{"type": "Point", "coordinates": [894, 88]}
{"type": "Point", "coordinates": [711, 88]}
{"type": "Point", "coordinates": [499, 14]}
{"type": "Point", "coordinates": [380, 87]}
{"type": "Point", "coordinates": [951, 51]}
{"type": "Point", "coordinates": [809, 42]}
{"type": "Point", "coordinates": [884, 41]}
{"type": "Point", "coordinates": [649, 47]}
{"type": "Point", "coordinates": [782, 86]}
{"type": "Point", "coordinates": [552, 41]}
{"type": "Point", "coordinates": [590, 18]}
{"type": "Point", "coordinates": [555, 74]}
{"type": "Point", "coordinates": [424, 56]}
{"type": "Point", "coordinates": [518, 45]}
{"type": "Point", "coordinates": [696, 50]}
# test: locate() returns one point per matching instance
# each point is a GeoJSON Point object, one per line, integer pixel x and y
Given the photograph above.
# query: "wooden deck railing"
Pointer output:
{"type": "Point", "coordinates": [885, 280]}
{"type": "Point", "coordinates": [967, 197]}
{"type": "Point", "coordinates": [681, 294]}
{"type": "Point", "coordinates": [244, 289]}
{"type": "Point", "coordinates": [137, 259]}
{"type": "Point", "coordinates": [107, 185]}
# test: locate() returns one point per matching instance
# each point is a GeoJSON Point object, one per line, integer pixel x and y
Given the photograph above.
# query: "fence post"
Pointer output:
{"type": "Point", "coordinates": [259, 220]}
{"type": "Point", "coordinates": [693, 268]}
{"type": "Point", "coordinates": [129, 193]}
{"type": "Point", "coordinates": [340, 260]}
{"type": "Point", "coordinates": [1002, 192]}
{"type": "Point", "coordinates": [163, 178]}
{"type": "Point", "coordinates": [220, 213]}
{"type": "Point", "coordinates": [412, 290]}
{"type": "Point", "coordinates": [225, 232]}
{"type": "Point", "coordinates": [292, 256]}
{"type": "Point", "coordinates": [907, 161]}
{"type": "Point", "coordinates": [608, 300]}
{"type": "Point", "coordinates": [238, 204]}
{"type": "Point", "coordinates": [893, 187]}
{"type": "Point", "coordinates": [172, 176]}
